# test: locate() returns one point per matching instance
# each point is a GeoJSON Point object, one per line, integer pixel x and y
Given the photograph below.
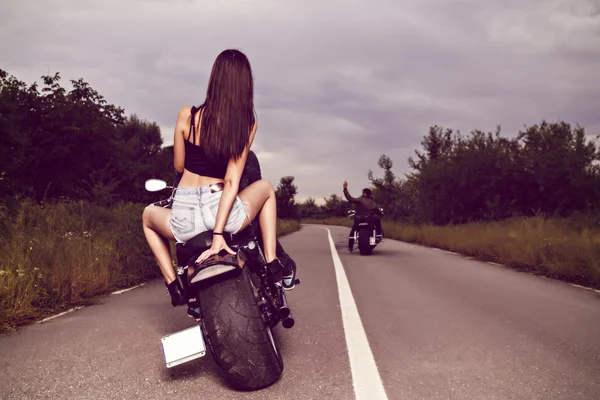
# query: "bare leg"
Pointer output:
{"type": "Point", "coordinates": [156, 228]}
{"type": "Point", "coordinates": [260, 197]}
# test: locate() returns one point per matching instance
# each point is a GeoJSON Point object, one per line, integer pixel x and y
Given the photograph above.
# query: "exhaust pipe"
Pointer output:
{"type": "Point", "coordinates": [288, 322]}
{"type": "Point", "coordinates": [284, 310]}
{"type": "Point", "coordinates": [285, 314]}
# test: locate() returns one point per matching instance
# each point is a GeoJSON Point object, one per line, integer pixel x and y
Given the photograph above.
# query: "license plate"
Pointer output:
{"type": "Point", "coordinates": [183, 346]}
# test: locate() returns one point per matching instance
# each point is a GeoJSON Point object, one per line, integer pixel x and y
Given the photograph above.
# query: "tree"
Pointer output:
{"type": "Point", "coordinates": [285, 193]}
{"type": "Point", "coordinates": [308, 209]}
{"type": "Point", "coordinates": [14, 96]}
{"type": "Point", "coordinates": [336, 206]}
{"type": "Point", "coordinates": [386, 190]}
{"type": "Point", "coordinates": [73, 144]}
{"type": "Point", "coordinates": [548, 169]}
{"type": "Point", "coordinates": [557, 169]}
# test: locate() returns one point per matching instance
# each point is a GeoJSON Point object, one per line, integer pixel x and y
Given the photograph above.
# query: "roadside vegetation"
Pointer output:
{"type": "Point", "coordinates": [530, 202]}
{"type": "Point", "coordinates": [72, 170]}
{"type": "Point", "coordinates": [554, 247]}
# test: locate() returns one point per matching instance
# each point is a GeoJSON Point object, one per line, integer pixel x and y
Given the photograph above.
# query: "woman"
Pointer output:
{"type": "Point", "coordinates": [211, 146]}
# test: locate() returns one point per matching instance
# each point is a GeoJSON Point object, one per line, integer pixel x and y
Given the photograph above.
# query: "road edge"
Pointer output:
{"type": "Point", "coordinates": [475, 259]}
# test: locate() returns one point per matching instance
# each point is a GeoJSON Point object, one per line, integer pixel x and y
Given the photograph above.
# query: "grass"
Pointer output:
{"type": "Point", "coordinates": [65, 254]}
{"type": "Point", "coordinates": [560, 248]}
{"type": "Point", "coordinates": [285, 227]}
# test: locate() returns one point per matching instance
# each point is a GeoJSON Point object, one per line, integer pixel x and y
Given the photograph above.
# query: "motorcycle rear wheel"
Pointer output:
{"type": "Point", "coordinates": [363, 242]}
{"type": "Point", "coordinates": [241, 342]}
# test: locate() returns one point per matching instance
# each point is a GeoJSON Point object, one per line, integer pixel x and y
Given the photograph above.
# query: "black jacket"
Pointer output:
{"type": "Point", "coordinates": [364, 205]}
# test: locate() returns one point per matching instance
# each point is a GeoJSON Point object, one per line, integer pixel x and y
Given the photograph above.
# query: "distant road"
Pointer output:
{"type": "Point", "coordinates": [417, 323]}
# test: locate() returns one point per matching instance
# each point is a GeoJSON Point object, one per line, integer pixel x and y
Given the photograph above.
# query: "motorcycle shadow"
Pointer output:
{"type": "Point", "coordinates": [376, 253]}
{"type": "Point", "coordinates": [384, 252]}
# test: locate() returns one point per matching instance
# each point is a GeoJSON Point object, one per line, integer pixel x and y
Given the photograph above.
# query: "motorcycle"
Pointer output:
{"type": "Point", "coordinates": [237, 304]}
{"type": "Point", "coordinates": [365, 235]}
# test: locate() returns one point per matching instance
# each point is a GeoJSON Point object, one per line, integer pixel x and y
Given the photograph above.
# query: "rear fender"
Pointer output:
{"type": "Point", "coordinates": [216, 265]}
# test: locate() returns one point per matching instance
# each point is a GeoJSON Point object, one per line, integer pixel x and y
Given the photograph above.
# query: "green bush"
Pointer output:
{"type": "Point", "coordinates": [62, 254]}
{"type": "Point", "coordinates": [562, 248]}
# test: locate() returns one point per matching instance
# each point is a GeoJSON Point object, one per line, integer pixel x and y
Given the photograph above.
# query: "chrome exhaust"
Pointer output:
{"type": "Point", "coordinates": [284, 310]}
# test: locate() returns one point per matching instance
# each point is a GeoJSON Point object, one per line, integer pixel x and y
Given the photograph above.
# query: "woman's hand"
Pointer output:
{"type": "Point", "coordinates": [218, 244]}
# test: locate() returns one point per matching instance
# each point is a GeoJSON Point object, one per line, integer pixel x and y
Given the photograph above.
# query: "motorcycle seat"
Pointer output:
{"type": "Point", "coordinates": [203, 241]}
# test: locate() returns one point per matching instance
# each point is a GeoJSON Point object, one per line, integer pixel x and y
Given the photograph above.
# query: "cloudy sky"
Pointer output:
{"type": "Point", "coordinates": [338, 83]}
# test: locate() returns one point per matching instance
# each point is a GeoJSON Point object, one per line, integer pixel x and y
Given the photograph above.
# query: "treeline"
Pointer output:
{"type": "Point", "coordinates": [72, 144]}
{"type": "Point", "coordinates": [289, 208]}
{"type": "Point", "coordinates": [60, 144]}
{"type": "Point", "coordinates": [549, 169]}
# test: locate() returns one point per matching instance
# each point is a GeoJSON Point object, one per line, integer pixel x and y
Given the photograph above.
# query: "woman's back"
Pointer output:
{"type": "Point", "coordinates": [199, 169]}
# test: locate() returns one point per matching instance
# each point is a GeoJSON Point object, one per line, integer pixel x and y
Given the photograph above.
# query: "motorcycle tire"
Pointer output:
{"type": "Point", "coordinates": [241, 342]}
{"type": "Point", "coordinates": [363, 242]}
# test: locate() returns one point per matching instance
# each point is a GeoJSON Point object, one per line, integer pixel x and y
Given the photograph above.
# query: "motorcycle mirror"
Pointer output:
{"type": "Point", "coordinates": [154, 185]}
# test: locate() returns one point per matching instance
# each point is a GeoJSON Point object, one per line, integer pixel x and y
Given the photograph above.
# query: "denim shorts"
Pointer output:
{"type": "Point", "coordinates": [194, 211]}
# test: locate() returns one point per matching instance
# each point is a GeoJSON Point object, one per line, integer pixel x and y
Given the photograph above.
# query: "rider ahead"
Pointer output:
{"type": "Point", "coordinates": [365, 205]}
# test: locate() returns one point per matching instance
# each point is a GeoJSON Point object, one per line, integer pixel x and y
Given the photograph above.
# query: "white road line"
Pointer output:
{"type": "Point", "coordinates": [62, 313]}
{"type": "Point", "coordinates": [128, 289]}
{"type": "Point", "coordinates": [365, 376]}
{"type": "Point", "coordinates": [77, 308]}
{"type": "Point", "coordinates": [586, 288]}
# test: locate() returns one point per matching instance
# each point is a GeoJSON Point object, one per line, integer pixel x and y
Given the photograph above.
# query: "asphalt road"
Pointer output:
{"type": "Point", "coordinates": [413, 322]}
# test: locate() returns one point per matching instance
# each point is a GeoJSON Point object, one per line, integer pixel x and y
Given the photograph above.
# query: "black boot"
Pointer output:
{"type": "Point", "coordinates": [176, 292]}
{"type": "Point", "coordinates": [350, 244]}
{"type": "Point", "coordinates": [275, 269]}
{"type": "Point", "coordinates": [284, 272]}
{"type": "Point", "coordinates": [288, 281]}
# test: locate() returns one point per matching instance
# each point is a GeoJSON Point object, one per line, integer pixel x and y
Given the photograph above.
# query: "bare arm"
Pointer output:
{"type": "Point", "coordinates": [181, 126]}
{"type": "Point", "coordinates": [232, 185]}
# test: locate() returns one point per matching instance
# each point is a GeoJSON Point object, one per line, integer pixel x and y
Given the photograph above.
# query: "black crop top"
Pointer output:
{"type": "Point", "coordinates": [195, 157]}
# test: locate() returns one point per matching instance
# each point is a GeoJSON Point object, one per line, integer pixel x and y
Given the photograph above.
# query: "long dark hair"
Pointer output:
{"type": "Point", "coordinates": [228, 111]}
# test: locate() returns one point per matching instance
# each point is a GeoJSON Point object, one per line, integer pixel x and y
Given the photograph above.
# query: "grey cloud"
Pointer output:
{"type": "Point", "coordinates": [337, 83]}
